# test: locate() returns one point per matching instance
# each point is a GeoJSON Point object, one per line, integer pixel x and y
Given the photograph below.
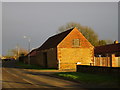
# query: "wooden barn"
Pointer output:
{"type": "Point", "coordinates": [64, 51]}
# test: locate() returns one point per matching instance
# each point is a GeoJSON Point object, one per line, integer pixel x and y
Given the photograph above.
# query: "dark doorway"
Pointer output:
{"type": "Point", "coordinates": [45, 59]}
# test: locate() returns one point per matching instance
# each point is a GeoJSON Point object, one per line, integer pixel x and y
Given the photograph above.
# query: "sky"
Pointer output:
{"type": "Point", "coordinates": [0, 28]}
{"type": "Point", "coordinates": [39, 21]}
{"type": "Point", "coordinates": [119, 21]}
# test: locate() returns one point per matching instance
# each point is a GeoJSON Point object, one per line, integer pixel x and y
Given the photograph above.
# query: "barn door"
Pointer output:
{"type": "Point", "coordinates": [45, 59]}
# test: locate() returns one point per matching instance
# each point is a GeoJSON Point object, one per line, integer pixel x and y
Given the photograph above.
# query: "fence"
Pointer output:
{"type": "Point", "coordinates": [102, 61]}
{"type": "Point", "coordinates": [107, 61]}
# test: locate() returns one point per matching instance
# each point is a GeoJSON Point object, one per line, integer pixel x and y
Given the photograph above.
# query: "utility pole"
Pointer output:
{"type": "Point", "coordinates": [29, 40]}
{"type": "Point", "coordinates": [17, 48]}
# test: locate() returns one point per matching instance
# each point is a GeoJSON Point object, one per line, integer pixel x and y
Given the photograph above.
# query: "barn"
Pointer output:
{"type": "Point", "coordinates": [64, 51]}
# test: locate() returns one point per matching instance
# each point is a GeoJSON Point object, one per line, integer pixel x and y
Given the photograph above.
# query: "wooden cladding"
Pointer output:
{"type": "Point", "coordinates": [102, 61]}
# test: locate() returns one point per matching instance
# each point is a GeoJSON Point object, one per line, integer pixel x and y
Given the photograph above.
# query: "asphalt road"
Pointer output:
{"type": "Point", "coordinates": [14, 77]}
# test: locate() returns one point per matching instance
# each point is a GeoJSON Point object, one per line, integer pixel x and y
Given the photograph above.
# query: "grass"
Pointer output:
{"type": "Point", "coordinates": [28, 66]}
{"type": "Point", "coordinates": [90, 78]}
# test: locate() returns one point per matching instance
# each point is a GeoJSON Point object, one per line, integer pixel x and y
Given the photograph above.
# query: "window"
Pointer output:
{"type": "Point", "coordinates": [76, 42]}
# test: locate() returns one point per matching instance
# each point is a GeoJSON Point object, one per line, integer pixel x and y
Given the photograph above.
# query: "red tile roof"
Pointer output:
{"type": "Point", "coordinates": [53, 41]}
{"type": "Point", "coordinates": [111, 48]}
{"type": "Point", "coordinates": [32, 53]}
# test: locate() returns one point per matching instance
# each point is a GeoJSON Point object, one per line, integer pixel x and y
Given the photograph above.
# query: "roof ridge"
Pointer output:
{"type": "Point", "coordinates": [54, 40]}
{"type": "Point", "coordinates": [110, 48]}
{"type": "Point", "coordinates": [63, 32]}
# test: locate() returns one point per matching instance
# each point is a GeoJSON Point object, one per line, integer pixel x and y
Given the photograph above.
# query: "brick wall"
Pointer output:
{"type": "Point", "coordinates": [52, 58]}
{"type": "Point", "coordinates": [39, 59]}
{"type": "Point", "coordinates": [69, 55]}
{"type": "Point", "coordinates": [25, 60]}
{"type": "Point", "coordinates": [67, 42]}
{"type": "Point", "coordinates": [98, 69]}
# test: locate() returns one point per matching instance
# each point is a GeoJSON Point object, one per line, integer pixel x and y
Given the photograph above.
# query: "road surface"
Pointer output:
{"type": "Point", "coordinates": [14, 77]}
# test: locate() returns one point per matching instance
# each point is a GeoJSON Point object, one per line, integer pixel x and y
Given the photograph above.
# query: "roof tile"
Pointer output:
{"type": "Point", "coordinates": [111, 48]}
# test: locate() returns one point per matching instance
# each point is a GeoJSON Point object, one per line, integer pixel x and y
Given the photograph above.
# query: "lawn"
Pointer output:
{"type": "Point", "coordinates": [92, 79]}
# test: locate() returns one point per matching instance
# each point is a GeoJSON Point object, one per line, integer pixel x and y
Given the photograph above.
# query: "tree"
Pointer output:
{"type": "Point", "coordinates": [88, 32]}
{"type": "Point", "coordinates": [109, 41]}
{"type": "Point", "coordinates": [18, 52]}
{"type": "Point", "coordinates": [102, 42]}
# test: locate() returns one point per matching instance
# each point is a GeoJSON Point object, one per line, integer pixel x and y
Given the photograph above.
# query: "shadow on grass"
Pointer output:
{"type": "Point", "coordinates": [84, 79]}
{"type": "Point", "coordinates": [93, 79]}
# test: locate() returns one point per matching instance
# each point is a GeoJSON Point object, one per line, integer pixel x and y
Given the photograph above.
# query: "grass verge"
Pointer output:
{"type": "Point", "coordinates": [28, 66]}
{"type": "Point", "coordinates": [92, 79]}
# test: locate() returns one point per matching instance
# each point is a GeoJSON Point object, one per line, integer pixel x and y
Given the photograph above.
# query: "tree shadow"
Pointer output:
{"type": "Point", "coordinates": [10, 64]}
{"type": "Point", "coordinates": [41, 84]}
{"type": "Point", "coordinates": [15, 82]}
{"type": "Point", "coordinates": [21, 65]}
{"type": "Point", "coordinates": [50, 74]}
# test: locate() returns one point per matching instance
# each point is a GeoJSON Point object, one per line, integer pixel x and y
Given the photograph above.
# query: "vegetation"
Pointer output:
{"type": "Point", "coordinates": [102, 42]}
{"type": "Point", "coordinates": [19, 51]}
{"type": "Point", "coordinates": [16, 53]}
{"type": "Point", "coordinates": [89, 78]}
{"type": "Point", "coordinates": [28, 66]}
{"type": "Point", "coordinates": [88, 32]}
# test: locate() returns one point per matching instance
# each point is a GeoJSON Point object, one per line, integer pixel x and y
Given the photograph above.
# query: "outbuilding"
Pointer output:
{"type": "Point", "coordinates": [107, 55]}
{"type": "Point", "coordinates": [64, 51]}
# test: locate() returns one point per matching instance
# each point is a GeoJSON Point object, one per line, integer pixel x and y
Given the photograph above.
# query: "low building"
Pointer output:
{"type": "Point", "coordinates": [64, 51]}
{"type": "Point", "coordinates": [107, 55]}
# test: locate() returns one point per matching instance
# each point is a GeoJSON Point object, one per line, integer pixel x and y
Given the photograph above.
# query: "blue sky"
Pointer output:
{"type": "Point", "coordinates": [42, 20]}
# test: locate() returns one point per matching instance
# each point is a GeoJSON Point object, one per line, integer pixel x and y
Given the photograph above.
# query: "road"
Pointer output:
{"type": "Point", "coordinates": [14, 77]}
